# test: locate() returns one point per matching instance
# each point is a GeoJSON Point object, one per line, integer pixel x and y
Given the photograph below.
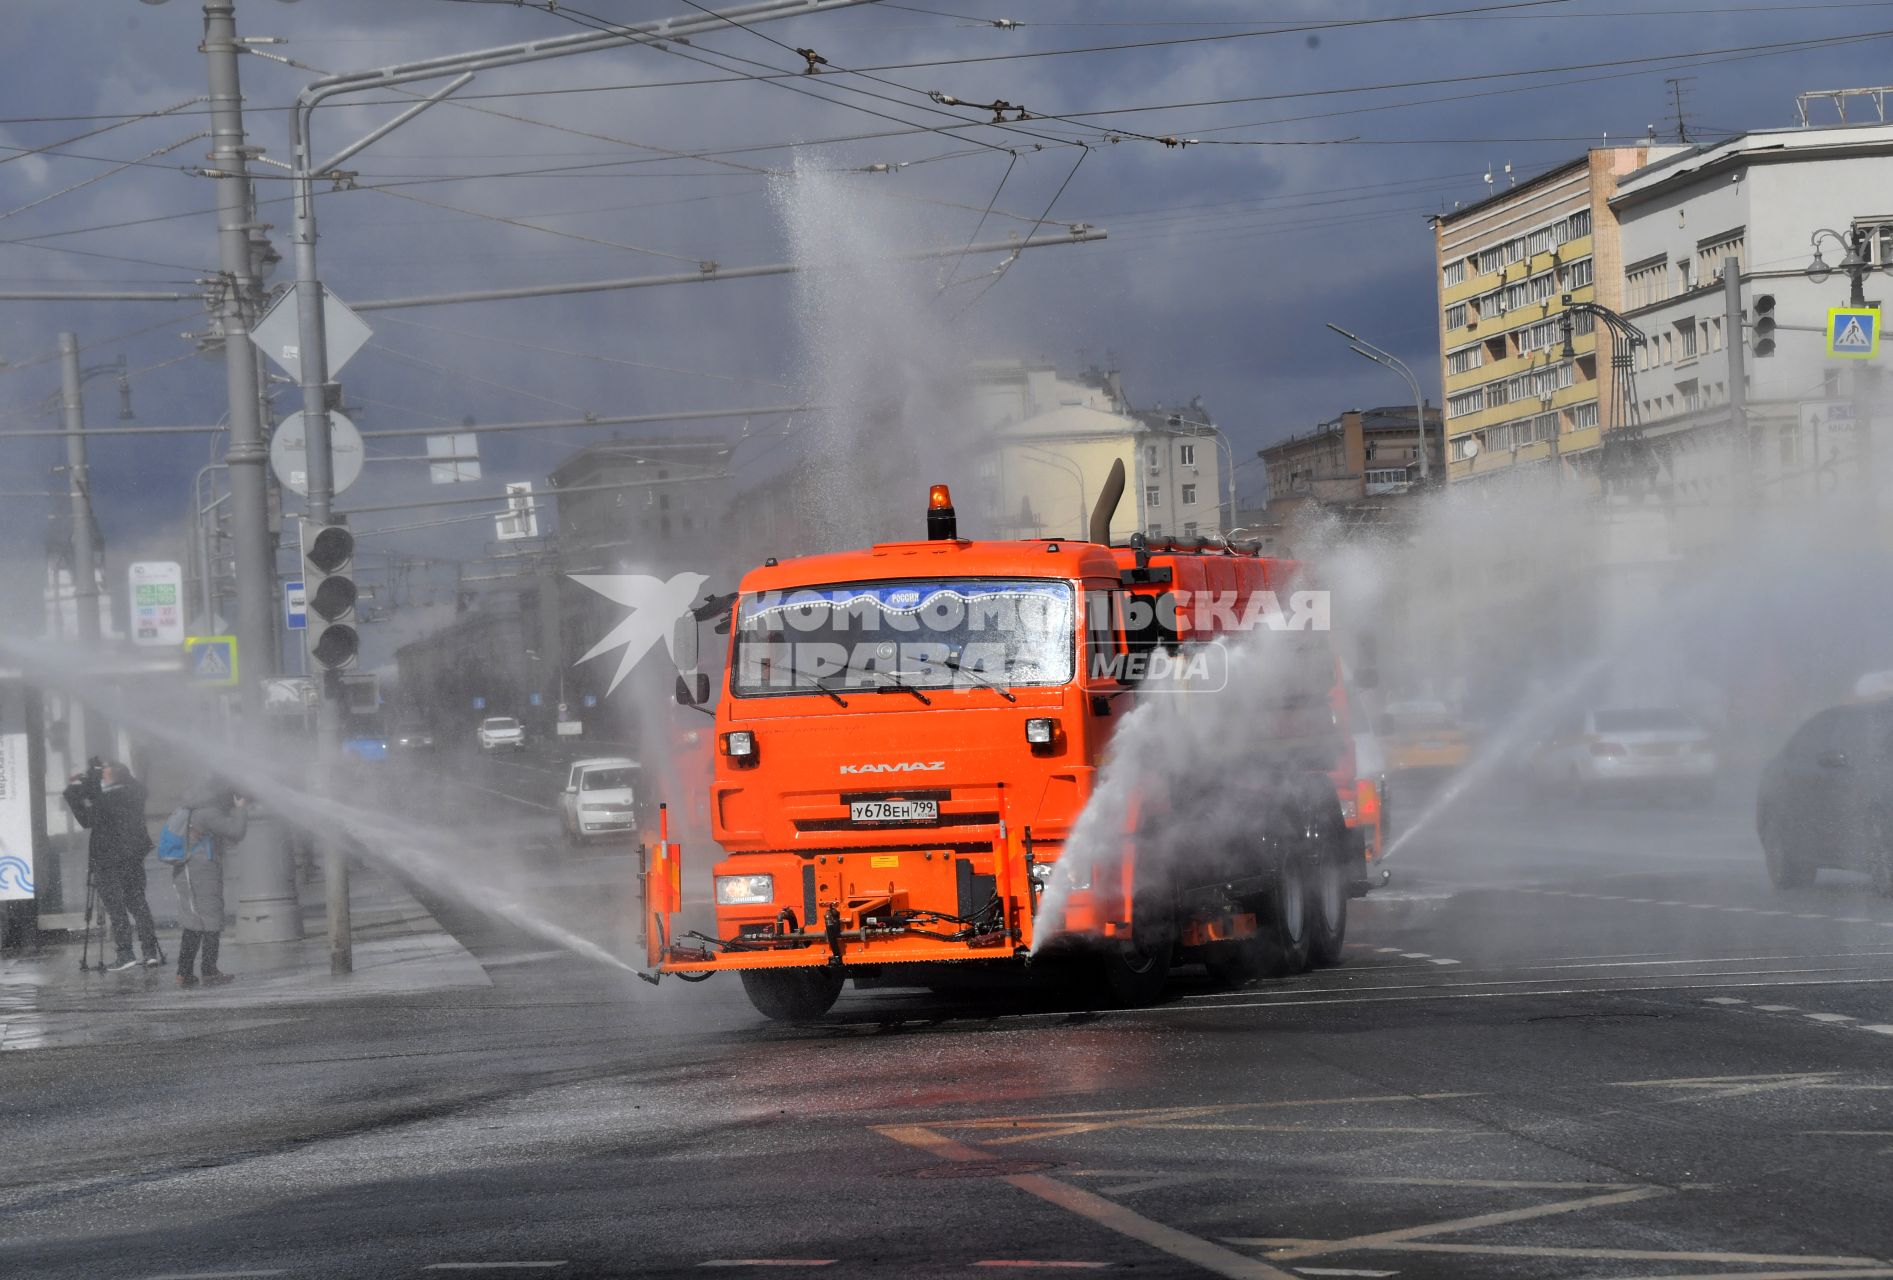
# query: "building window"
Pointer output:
{"type": "Point", "coordinates": [1583, 415]}
{"type": "Point", "coordinates": [1686, 339]}
{"type": "Point", "coordinates": [1465, 402]}
{"type": "Point", "coordinates": [1150, 455]}
{"type": "Point", "coordinates": [1189, 528]}
{"type": "Point", "coordinates": [1646, 283]}
{"type": "Point", "coordinates": [1711, 252]}
{"type": "Point", "coordinates": [1156, 531]}
{"type": "Point", "coordinates": [1879, 241]}
{"type": "Point", "coordinates": [1456, 316]}
{"type": "Point", "coordinates": [1692, 395]}
{"type": "Point", "coordinates": [1186, 454]}
{"type": "Point", "coordinates": [1455, 272]}
{"type": "Point", "coordinates": [1683, 269]}
{"type": "Point", "coordinates": [1153, 498]}
{"type": "Point", "coordinates": [1189, 495]}
{"type": "Point", "coordinates": [1579, 274]}
{"type": "Point", "coordinates": [1466, 359]}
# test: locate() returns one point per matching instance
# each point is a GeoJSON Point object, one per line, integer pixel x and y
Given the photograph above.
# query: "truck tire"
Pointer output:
{"type": "Point", "coordinates": [1327, 908]}
{"type": "Point", "coordinates": [1285, 916]}
{"type": "Point", "coordinates": [1136, 970]}
{"type": "Point", "coordinates": [792, 995]}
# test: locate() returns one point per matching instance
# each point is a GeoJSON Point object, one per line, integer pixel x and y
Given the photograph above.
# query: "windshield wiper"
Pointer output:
{"type": "Point", "coordinates": [816, 682]}
{"type": "Point", "coordinates": [952, 664]}
{"type": "Point", "coordinates": [895, 682]}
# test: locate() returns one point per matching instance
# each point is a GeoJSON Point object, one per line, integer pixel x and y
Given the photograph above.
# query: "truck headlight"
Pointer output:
{"type": "Point", "coordinates": [1039, 730]}
{"type": "Point", "coordinates": [745, 891]}
{"type": "Point", "coordinates": [740, 745]}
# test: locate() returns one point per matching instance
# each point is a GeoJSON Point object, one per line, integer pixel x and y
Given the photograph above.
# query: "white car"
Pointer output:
{"type": "Point", "coordinates": [600, 798]}
{"type": "Point", "coordinates": [502, 731]}
{"type": "Point", "coordinates": [1661, 749]}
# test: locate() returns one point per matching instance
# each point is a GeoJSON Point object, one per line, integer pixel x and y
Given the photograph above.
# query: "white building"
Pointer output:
{"type": "Point", "coordinates": [1051, 442]}
{"type": "Point", "coordinates": [1758, 198]}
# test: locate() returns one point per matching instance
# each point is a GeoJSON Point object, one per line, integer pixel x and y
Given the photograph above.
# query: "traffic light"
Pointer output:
{"type": "Point", "coordinates": [328, 551]}
{"type": "Point", "coordinates": [1762, 328]}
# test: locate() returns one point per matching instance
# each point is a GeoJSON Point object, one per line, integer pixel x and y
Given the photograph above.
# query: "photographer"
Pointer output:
{"type": "Point", "coordinates": [212, 818]}
{"type": "Point", "coordinates": [110, 803]}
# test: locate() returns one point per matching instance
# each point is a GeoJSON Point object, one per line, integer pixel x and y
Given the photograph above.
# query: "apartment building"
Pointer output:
{"type": "Point", "coordinates": [1513, 399]}
{"type": "Point", "coordinates": [1758, 198]}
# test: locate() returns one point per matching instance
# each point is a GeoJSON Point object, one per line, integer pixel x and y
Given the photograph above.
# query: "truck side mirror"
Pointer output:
{"type": "Point", "coordinates": [693, 690]}
{"type": "Point", "coordinates": [683, 643]}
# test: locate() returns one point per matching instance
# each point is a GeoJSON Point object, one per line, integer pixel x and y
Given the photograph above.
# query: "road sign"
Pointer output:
{"type": "Point", "coordinates": [591, 699]}
{"type": "Point", "coordinates": [212, 659]}
{"type": "Point", "coordinates": [289, 453]}
{"type": "Point", "coordinates": [17, 781]}
{"type": "Point", "coordinates": [288, 695]}
{"type": "Point", "coordinates": [479, 704]}
{"type": "Point", "coordinates": [1826, 417]}
{"type": "Point", "coordinates": [295, 607]}
{"type": "Point", "coordinates": [157, 602]}
{"type": "Point", "coordinates": [536, 700]}
{"type": "Point", "coordinates": [1853, 333]}
{"type": "Point", "coordinates": [277, 333]}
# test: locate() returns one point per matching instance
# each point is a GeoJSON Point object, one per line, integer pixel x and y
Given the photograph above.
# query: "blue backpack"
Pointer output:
{"type": "Point", "coordinates": [173, 847]}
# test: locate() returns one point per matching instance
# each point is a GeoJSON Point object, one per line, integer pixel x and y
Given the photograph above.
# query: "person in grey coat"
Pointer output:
{"type": "Point", "coordinates": [212, 818]}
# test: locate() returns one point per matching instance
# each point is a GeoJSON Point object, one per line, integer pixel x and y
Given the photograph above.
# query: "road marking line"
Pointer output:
{"type": "Point", "coordinates": [1339, 997]}
{"type": "Point", "coordinates": [1811, 915]}
{"type": "Point", "coordinates": [1498, 1184]}
{"type": "Point", "coordinates": [1414, 955]}
{"type": "Point", "coordinates": [1067, 1124]}
{"type": "Point", "coordinates": [212, 1275]}
{"type": "Point", "coordinates": [1724, 1000]}
{"type": "Point", "coordinates": [1829, 1017]}
{"type": "Point", "coordinates": [1738, 908]}
{"type": "Point", "coordinates": [1854, 920]}
{"type": "Point", "coordinates": [1207, 1254]}
{"type": "Point", "coordinates": [1440, 961]}
{"type": "Point", "coordinates": [1878, 1028]}
{"type": "Point", "coordinates": [1388, 951]}
{"type": "Point", "coordinates": [495, 1266]}
{"type": "Point", "coordinates": [1476, 1222]}
{"type": "Point", "coordinates": [1777, 1008]}
{"type": "Point", "coordinates": [1771, 913]}
{"type": "Point", "coordinates": [1342, 1271]}
{"type": "Point", "coordinates": [769, 1262]}
{"type": "Point", "coordinates": [1033, 1262]}
{"type": "Point", "coordinates": [1641, 901]}
{"type": "Point", "coordinates": [1600, 1254]}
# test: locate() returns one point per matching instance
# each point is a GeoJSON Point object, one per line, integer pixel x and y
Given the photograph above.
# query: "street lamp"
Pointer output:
{"type": "Point", "coordinates": [1856, 263]}
{"type": "Point", "coordinates": [1368, 351]}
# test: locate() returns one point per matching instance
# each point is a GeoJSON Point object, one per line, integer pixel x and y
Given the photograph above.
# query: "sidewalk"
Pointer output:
{"type": "Point", "coordinates": [46, 1001]}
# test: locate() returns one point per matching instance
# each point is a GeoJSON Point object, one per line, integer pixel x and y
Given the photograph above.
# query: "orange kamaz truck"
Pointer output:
{"type": "Point", "coordinates": [910, 743]}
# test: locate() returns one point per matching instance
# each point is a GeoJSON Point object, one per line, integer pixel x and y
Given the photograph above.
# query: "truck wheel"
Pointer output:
{"type": "Point", "coordinates": [1136, 969]}
{"type": "Point", "coordinates": [1327, 931]}
{"type": "Point", "coordinates": [1284, 914]}
{"type": "Point", "coordinates": [792, 995]}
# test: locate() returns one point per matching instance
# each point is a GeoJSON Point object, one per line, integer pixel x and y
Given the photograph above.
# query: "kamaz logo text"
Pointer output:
{"type": "Point", "coordinates": [904, 766]}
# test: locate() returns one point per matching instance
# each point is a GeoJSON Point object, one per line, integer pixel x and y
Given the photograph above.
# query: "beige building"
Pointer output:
{"type": "Point", "coordinates": [1504, 267]}
{"type": "Point", "coordinates": [1051, 442]}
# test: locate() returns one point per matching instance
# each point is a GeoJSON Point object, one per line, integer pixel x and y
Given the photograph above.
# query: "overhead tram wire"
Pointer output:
{"type": "Point", "coordinates": [584, 355]}
{"type": "Point", "coordinates": [551, 231]}
{"type": "Point", "coordinates": [788, 75]}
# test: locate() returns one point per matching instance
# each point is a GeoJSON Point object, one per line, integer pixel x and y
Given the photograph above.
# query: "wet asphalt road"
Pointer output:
{"type": "Point", "coordinates": [1565, 1042]}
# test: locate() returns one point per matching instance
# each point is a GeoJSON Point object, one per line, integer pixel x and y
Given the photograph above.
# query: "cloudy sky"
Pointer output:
{"type": "Point", "coordinates": [1327, 132]}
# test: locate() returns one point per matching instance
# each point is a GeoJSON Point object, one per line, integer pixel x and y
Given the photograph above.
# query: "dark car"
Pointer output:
{"type": "Point", "coordinates": [1827, 798]}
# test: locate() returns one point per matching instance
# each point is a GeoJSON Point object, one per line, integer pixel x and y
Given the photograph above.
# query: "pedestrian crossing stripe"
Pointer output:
{"type": "Point", "coordinates": [1853, 333]}
{"type": "Point", "coordinates": [212, 659]}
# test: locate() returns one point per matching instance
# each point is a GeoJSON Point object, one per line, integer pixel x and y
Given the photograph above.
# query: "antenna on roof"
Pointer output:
{"type": "Point", "coordinates": [1510, 181]}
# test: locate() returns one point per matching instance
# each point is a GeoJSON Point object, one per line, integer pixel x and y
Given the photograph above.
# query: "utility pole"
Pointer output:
{"type": "Point", "coordinates": [268, 909]}
{"type": "Point", "coordinates": [248, 452]}
{"type": "Point", "coordinates": [85, 586]}
{"type": "Point", "coordinates": [1387, 360]}
{"type": "Point", "coordinates": [1734, 344]}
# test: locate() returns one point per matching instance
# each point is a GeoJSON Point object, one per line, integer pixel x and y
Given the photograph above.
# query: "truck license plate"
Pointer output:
{"type": "Point", "coordinates": [894, 810]}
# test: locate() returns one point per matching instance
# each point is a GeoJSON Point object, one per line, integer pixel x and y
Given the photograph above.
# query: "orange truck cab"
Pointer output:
{"type": "Point", "coordinates": [907, 735]}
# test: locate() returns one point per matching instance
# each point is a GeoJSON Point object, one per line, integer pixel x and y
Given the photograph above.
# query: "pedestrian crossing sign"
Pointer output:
{"type": "Point", "coordinates": [1853, 333]}
{"type": "Point", "coordinates": [212, 659]}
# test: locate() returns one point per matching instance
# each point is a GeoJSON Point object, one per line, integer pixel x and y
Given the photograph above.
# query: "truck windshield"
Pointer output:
{"type": "Point", "coordinates": [934, 633]}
